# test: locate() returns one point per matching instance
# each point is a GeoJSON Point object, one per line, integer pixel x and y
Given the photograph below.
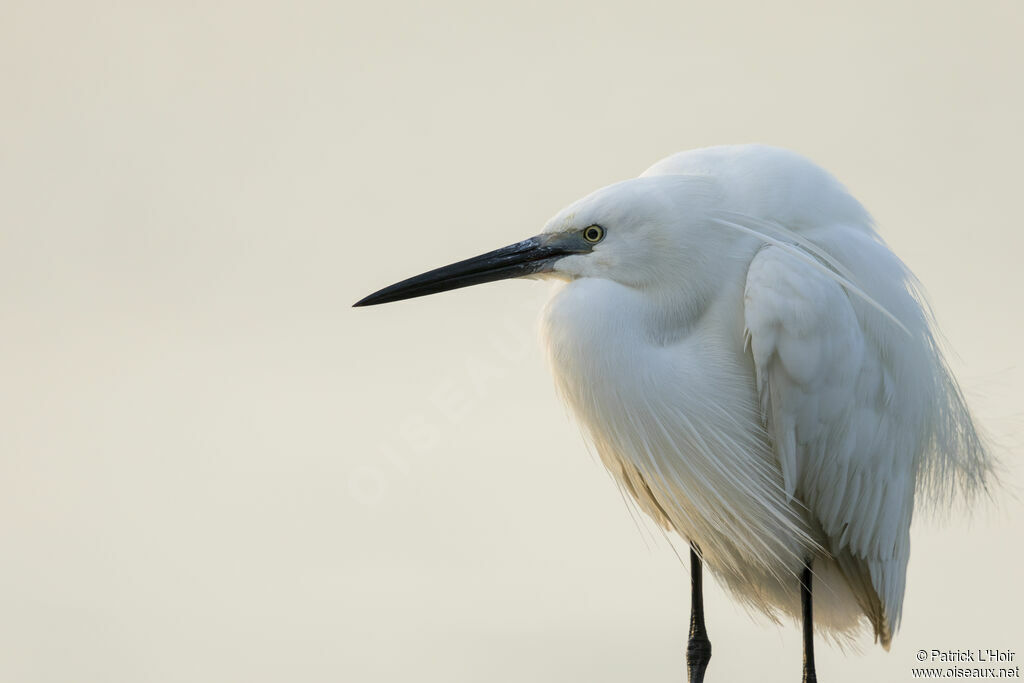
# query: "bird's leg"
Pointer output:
{"type": "Point", "coordinates": [698, 649]}
{"type": "Point", "coordinates": [805, 602]}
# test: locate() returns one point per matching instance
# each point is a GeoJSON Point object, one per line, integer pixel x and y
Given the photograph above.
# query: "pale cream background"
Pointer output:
{"type": "Point", "coordinates": [213, 469]}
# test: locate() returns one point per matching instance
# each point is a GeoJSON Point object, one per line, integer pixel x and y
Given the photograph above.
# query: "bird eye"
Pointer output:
{"type": "Point", "coordinates": [593, 234]}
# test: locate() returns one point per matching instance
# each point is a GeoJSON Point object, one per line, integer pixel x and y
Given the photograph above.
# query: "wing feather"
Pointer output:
{"type": "Point", "coordinates": [827, 403]}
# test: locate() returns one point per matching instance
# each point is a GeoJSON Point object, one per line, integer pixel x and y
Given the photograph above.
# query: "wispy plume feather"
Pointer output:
{"type": "Point", "coordinates": [824, 263]}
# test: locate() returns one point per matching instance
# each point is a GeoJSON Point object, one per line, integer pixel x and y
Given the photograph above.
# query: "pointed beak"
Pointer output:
{"type": "Point", "coordinates": [531, 256]}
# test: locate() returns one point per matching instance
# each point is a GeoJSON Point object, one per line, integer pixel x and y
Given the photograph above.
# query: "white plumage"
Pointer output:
{"type": "Point", "coordinates": [757, 370]}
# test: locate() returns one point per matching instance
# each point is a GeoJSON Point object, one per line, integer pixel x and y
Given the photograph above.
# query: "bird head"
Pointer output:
{"type": "Point", "coordinates": [634, 232]}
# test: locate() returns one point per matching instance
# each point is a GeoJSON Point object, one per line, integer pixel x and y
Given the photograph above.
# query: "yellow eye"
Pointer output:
{"type": "Point", "coordinates": [593, 234]}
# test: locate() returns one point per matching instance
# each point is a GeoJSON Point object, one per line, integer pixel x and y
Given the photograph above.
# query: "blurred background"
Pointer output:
{"type": "Point", "coordinates": [213, 469]}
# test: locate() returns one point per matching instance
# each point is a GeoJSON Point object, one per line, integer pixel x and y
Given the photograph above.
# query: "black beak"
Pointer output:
{"type": "Point", "coordinates": [530, 256]}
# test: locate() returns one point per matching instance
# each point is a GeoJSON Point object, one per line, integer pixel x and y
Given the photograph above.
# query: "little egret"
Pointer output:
{"type": "Point", "coordinates": [759, 373]}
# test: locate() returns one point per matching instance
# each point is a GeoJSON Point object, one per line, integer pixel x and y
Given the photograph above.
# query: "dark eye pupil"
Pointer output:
{"type": "Point", "coordinates": [593, 234]}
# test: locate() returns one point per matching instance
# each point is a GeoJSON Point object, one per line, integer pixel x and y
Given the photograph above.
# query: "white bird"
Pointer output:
{"type": "Point", "coordinates": [758, 371]}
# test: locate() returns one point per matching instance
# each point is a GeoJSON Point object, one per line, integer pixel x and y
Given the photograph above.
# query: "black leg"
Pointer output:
{"type": "Point", "coordinates": [698, 649]}
{"type": "Point", "coordinates": [805, 601]}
